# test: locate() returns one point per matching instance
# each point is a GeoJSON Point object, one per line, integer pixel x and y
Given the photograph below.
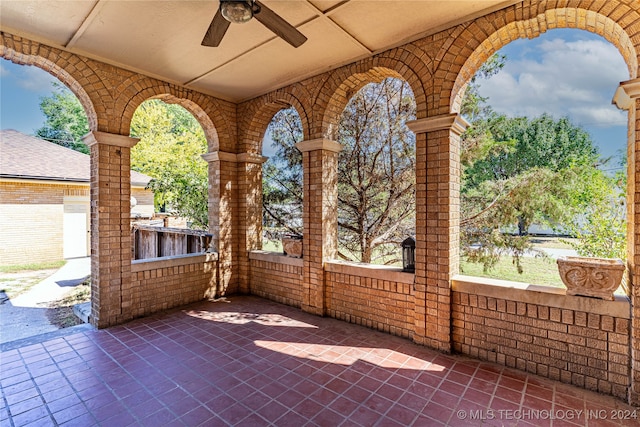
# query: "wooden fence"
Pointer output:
{"type": "Point", "coordinates": [155, 242]}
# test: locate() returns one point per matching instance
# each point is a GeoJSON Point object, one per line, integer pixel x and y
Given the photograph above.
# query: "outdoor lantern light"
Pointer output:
{"type": "Point", "coordinates": [409, 255]}
{"type": "Point", "coordinates": [238, 12]}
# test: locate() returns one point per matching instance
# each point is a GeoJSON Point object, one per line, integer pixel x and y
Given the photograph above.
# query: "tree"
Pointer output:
{"type": "Point", "coordinates": [543, 143]}
{"type": "Point", "coordinates": [171, 142]}
{"type": "Point", "coordinates": [376, 172]}
{"type": "Point", "coordinates": [65, 119]}
{"type": "Point", "coordinates": [516, 172]}
{"type": "Point", "coordinates": [601, 226]}
{"type": "Point", "coordinates": [282, 191]}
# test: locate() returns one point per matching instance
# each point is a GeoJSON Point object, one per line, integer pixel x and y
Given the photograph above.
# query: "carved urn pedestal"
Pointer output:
{"type": "Point", "coordinates": [292, 246]}
{"type": "Point", "coordinates": [591, 277]}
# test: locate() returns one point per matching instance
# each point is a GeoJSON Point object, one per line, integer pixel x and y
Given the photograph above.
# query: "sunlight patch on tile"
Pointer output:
{"type": "Point", "coordinates": [348, 355]}
{"type": "Point", "coordinates": [244, 318]}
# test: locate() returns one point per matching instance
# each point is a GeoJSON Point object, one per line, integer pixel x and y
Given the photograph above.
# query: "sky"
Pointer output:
{"type": "Point", "coordinates": [20, 90]}
{"type": "Point", "coordinates": [569, 73]}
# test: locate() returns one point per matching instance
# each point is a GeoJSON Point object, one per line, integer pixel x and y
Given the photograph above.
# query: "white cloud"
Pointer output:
{"type": "Point", "coordinates": [560, 77]}
{"type": "Point", "coordinates": [34, 79]}
{"type": "Point", "coordinates": [3, 71]}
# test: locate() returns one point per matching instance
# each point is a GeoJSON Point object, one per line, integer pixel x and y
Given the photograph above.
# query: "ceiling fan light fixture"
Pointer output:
{"type": "Point", "coordinates": [237, 12]}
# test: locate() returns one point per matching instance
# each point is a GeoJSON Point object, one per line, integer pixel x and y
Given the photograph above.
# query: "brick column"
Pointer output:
{"type": "Point", "coordinates": [111, 290]}
{"type": "Point", "coordinates": [627, 97]}
{"type": "Point", "coordinates": [250, 213]}
{"type": "Point", "coordinates": [223, 208]}
{"type": "Point", "coordinates": [320, 217]}
{"type": "Point", "coordinates": [437, 225]}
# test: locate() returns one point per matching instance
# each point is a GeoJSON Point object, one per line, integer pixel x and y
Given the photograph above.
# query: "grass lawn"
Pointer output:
{"type": "Point", "coordinates": [18, 268]}
{"type": "Point", "coordinates": [537, 271]}
{"type": "Point", "coordinates": [272, 245]}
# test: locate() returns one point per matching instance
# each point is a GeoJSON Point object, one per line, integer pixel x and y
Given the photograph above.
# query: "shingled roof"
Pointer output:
{"type": "Point", "coordinates": [29, 157]}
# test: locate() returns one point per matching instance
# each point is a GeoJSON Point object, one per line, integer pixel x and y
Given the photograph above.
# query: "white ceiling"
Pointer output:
{"type": "Point", "coordinates": [161, 38]}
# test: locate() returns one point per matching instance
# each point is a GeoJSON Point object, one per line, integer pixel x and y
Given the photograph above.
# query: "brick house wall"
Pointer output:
{"type": "Point", "coordinates": [32, 218]}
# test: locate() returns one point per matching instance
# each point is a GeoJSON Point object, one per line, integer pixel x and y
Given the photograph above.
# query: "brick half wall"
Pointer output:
{"type": "Point", "coordinates": [162, 283]}
{"type": "Point", "coordinates": [375, 296]}
{"type": "Point", "coordinates": [276, 277]}
{"type": "Point", "coordinates": [538, 329]}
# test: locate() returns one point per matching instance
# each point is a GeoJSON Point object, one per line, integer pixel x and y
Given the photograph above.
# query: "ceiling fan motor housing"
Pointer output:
{"type": "Point", "coordinates": [238, 12]}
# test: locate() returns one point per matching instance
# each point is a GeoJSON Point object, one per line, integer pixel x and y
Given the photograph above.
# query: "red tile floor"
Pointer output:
{"type": "Point", "coordinates": [251, 362]}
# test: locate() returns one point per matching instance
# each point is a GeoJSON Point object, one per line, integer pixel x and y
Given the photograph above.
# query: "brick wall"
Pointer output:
{"type": "Point", "coordinates": [30, 233]}
{"type": "Point", "coordinates": [163, 283]}
{"type": "Point", "coordinates": [375, 296]}
{"type": "Point", "coordinates": [577, 340]}
{"type": "Point", "coordinates": [370, 295]}
{"type": "Point", "coordinates": [276, 277]}
{"type": "Point", "coordinates": [31, 220]}
{"type": "Point", "coordinates": [223, 212]}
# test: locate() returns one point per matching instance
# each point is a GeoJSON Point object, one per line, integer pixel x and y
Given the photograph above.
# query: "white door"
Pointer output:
{"type": "Point", "coordinates": [76, 231]}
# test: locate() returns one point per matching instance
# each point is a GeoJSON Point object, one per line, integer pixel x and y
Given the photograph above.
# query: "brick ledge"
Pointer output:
{"type": "Point", "coordinates": [541, 295]}
{"type": "Point", "coordinates": [275, 257]}
{"type": "Point", "coordinates": [373, 271]}
{"type": "Point", "coordinates": [171, 261]}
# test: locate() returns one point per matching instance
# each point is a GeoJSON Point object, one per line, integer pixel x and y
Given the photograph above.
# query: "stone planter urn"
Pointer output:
{"type": "Point", "coordinates": [591, 277]}
{"type": "Point", "coordinates": [292, 246]}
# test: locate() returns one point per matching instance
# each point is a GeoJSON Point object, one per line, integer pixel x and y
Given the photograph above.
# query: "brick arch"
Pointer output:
{"type": "Point", "coordinates": [75, 75]}
{"type": "Point", "coordinates": [346, 81]}
{"type": "Point", "coordinates": [208, 111]}
{"type": "Point", "coordinates": [578, 18]}
{"type": "Point", "coordinates": [258, 113]}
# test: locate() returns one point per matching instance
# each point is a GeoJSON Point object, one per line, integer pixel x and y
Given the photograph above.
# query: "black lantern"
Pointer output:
{"type": "Point", "coordinates": [409, 255]}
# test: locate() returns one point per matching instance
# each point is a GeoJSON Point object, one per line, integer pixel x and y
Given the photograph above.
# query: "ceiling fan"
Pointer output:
{"type": "Point", "coordinates": [241, 11]}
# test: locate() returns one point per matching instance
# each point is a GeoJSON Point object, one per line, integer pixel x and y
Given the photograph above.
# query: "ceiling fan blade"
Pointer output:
{"type": "Point", "coordinates": [216, 31]}
{"type": "Point", "coordinates": [279, 26]}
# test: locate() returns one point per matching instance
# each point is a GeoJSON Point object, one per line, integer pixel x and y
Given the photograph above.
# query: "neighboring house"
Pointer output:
{"type": "Point", "coordinates": [44, 200]}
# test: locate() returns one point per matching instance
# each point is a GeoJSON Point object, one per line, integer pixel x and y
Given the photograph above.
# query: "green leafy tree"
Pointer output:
{"type": "Point", "coordinates": [600, 227]}
{"type": "Point", "coordinates": [65, 119]}
{"type": "Point", "coordinates": [534, 144]}
{"type": "Point", "coordinates": [171, 143]}
{"type": "Point", "coordinates": [516, 172]}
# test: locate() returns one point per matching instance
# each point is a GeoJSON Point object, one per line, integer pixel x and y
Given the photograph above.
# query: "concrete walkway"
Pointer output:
{"type": "Point", "coordinates": [555, 253]}
{"type": "Point", "coordinates": [25, 315]}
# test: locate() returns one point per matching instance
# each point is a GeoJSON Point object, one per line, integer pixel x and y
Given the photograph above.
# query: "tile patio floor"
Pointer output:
{"type": "Point", "coordinates": [251, 362]}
